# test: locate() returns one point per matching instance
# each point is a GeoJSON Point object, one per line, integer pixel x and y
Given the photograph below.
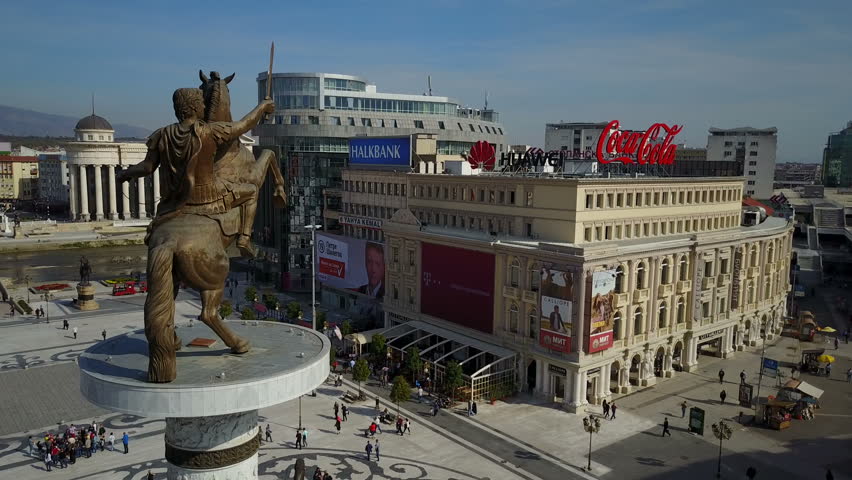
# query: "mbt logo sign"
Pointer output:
{"type": "Point", "coordinates": [555, 341]}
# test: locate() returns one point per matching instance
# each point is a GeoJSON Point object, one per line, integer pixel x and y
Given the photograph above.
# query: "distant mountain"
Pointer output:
{"type": "Point", "coordinates": [22, 123]}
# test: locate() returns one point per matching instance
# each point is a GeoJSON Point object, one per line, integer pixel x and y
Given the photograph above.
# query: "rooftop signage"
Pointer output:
{"type": "Point", "coordinates": [652, 146]}
{"type": "Point", "coordinates": [481, 156]}
{"type": "Point", "coordinates": [380, 151]}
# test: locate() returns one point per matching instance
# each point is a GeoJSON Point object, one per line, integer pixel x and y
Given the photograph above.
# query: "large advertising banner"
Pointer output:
{"type": "Point", "coordinates": [380, 151]}
{"type": "Point", "coordinates": [602, 311]}
{"type": "Point", "coordinates": [351, 263]}
{"type": "Point", "coordinates": [457, 285]}
{"type": "Point", "coordinates": [557, 293]}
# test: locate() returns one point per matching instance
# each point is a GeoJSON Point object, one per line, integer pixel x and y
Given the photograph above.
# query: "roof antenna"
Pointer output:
{"type": "Point", "coordinates": [93, 104]}
{"type": "Point", "coordinates": [429, 83]}
{"type": "Point", "coordinates": [486, 99]}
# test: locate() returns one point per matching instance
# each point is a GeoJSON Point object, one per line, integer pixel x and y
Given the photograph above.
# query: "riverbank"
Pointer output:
{"type": "Point", "coordinates": [69, 242]}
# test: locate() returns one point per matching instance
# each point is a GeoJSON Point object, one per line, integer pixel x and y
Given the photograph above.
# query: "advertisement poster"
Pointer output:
{"type": "Point", "coordinates": [770, 367]}
{"type": "Point", "coordinates": [351, 264]}
{"type": "Point", "coordinates": [696, 420]}
{"type": "Point", "coordinates": [457, 285]}
{"type": "Point", "coordinates": [602, 311]}
{"type": "Point", "coordinates": [557, 293]}
{"type": "Point", "coordinates": [745, 394]}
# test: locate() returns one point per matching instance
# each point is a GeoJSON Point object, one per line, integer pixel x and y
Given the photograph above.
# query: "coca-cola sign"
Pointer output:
{"type": "Point", "coordinates": [615, 145]}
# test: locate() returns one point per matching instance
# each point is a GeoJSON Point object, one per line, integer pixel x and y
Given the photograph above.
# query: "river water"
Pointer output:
{"type": "Point", "coordinates": [64, 265]}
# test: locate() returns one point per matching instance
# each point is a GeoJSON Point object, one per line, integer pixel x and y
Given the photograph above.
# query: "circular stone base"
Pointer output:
{"type": "Point", "coordinates": [86, 298]}
{"type": "Point", "coordinates": [285, 362]}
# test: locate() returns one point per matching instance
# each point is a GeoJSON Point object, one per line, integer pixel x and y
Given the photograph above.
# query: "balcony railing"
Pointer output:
{"type": "Point", "coordinates": [684, 286]}
{"type": "Point", "coordinates": [640, 295]}
{"type": "Point", "coordinates": [530, 297]}
{"type": "Point", "coordinates": [510, 292]}
{"type": "Point", "coordinates": [665, 290]}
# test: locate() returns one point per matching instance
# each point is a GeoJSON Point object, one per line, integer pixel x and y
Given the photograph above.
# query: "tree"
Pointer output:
{"type": "Point", "coordinates": [226, 309]}
{"type": "Point", "coordinates": [270, 301]}
{"type": "Point", "coordinates": [413, 362]}
{"type": "Point", "coordinates": [250, 294]}
{"type": "Point", "coordinates": [379, 346]}
{"type": "Point", "coordinates": [453, 378]}
{"type": "Point", "coordinates": [360, 373]}
{"type": "Point", "coordinates": [400, 392]}
{"type": "Point", "coordinates": [294, 309]}
{"type": "Point", "coordinates": [320, 323]}
{"type": "Point", "coordinates": [346, 328]}
{"type": "Point", "coordinates": [248, 314]}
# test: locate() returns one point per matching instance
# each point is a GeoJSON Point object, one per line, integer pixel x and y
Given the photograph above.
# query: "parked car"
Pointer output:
{"type": "Point", "coordinates": [120, 289]}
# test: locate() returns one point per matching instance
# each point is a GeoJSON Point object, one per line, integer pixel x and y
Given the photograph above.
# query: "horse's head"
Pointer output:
{"type": "Point", "coordinates": [217, 99]}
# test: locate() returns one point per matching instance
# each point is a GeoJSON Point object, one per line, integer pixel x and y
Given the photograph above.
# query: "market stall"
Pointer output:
{"type": "Point", "coordinates": [776, 414]}
{"type": "Point", "coordinates": [804, 395]}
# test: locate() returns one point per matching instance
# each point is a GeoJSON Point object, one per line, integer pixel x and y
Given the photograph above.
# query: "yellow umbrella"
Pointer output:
{"type": "Point", "coordinates": [827, 330]}
{"type": "Point", "coordinates": [825, 359]}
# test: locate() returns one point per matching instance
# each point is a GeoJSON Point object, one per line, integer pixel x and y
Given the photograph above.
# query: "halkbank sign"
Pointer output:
{"type": "Point", "coordinates": [380, 151]}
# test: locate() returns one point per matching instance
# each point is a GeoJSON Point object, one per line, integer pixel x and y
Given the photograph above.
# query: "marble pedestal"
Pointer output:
{"type": "Point", "coordinates": [211, 408]}
{"type": "Point", "coordinates": [86, 297]}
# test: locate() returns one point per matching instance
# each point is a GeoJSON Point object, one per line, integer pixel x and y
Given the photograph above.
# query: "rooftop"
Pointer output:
{"type": "Point", "coordinates": [93, 122]}
{"type": "Point", "coordinates": [714, 130]}
{"type": "Point", "coordinates": [21, 159]}
{"type": "Point", "coordinates": [832, 197]}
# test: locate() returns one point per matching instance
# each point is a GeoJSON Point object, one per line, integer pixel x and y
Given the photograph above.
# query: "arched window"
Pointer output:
{"type": "Point", "coordinates": [515, 273]}
{"type": "Point", "coordinates": [533, 323]}
{"type": "Point", "coordinates": [681, 311]}
{"type": "Point", "coordinates": [616, 326]}
{"type": "Point", "coordinates": [770, 254]}
{"type": "Point", "coordinates": [513, 318]}
{"type": "Point", "coordinates": [535, 278]}
{"type": "Point", "coordinates": [637, 321]}
{"type": "Point", "coordinates": [661, 317]}
{"type": "Point", "coordinates": [640, 275]}
{"type": "Point", "coordinates": [664, 272]}
{"type": "Point", "coordinates": [683, 266]}
{"type": "Point", "coordinates": [619, 279]}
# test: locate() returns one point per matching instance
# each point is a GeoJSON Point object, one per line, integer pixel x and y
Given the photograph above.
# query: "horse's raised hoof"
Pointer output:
{"type": "Point", "coordinates": [279, 198]}
{"type": "Point", "coordinates": [242, 346]}
{"type": "Point", "coordinates": [247, 250]}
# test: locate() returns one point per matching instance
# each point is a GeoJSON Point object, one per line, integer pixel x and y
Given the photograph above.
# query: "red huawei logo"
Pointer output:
{"type": "Point", "coordinates": [481, 155]}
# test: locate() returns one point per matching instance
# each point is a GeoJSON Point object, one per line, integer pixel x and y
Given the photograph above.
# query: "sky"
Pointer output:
{"type": "Point", "coordinates": [786, 64]}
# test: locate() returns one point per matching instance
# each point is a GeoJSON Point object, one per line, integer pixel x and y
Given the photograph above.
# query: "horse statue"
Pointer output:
{"type": "Point", "coordinates": [212, 194]}
{"type": "Point", "coordinates": [85, 271]}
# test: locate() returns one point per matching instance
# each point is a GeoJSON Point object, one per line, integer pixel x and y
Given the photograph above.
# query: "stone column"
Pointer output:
{"type": "Point", "coordinates": [577, 330]}
{"type": "Point", "coordinates": [113, 207]}
{"type": "Point", "coordinates": [84, 195]}
{"type": "Point", "coordinates": [606, 374]}
{"type": "Point", "coordinates": [668, 363]}
{"type": "Point", "coordinates": [156, 177]}
{"type": "Point", "coordinates": [99, 194]}
{"type": "Point", "coordinates": [73, 192]}
{"type": "Point", "coordinates": [215, 447]}
{"type": "Point", "coordinates": [690, 353]}
{"type": "Point", "coordinates": [125, 200]}
{"type": "Point", "coordinates": [140, 188]}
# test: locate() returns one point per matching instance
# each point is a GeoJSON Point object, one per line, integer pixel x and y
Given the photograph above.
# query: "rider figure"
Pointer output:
{"type": "Point", "coordinates": [185, 151]}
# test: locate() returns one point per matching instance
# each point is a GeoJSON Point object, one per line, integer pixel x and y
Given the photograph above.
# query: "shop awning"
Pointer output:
{"type": "Point", "coordinates": [363, 338]}
{"type": "Point", "coordinates": [810, 390]}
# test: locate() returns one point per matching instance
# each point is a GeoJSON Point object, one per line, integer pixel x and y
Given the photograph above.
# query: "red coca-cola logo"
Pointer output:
{"type": "Point", "coordinates": [481, 155]}
{"type": "Point", "coordinates": [615, 145]}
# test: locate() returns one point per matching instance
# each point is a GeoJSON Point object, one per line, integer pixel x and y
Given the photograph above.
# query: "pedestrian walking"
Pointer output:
{"type": "Point", "coordinates": [469, 408]}
{"type": "Point", "coordinates": [30, 445]}
{"type": "Point", "coordinates": [304, 437]}
{"type": "Point", "coordinates": [298, 439]}
{"type": "Point", "coordinates": [337, 424]}
{"type": "Point", "coordinates": [345, 413]}
{"type": "Point", "coordinates": [420, 394]}
{"type": "Point", "coordinates": [369, 449]}
{"type": "Point", "coordinates": [268, 433]}
{"type": "Point", "coordinates": [48, 460]}
{"type": "Point", "coordinates": [683, 409]}
{"type": "Point", "coordinates": [742, 377]}
{"type": "Point", "coordinates": [849, 375]}
{"type": "Point", "coordinates": [474, 408]}
{"type": "Point", "coordinates": [75, 333]}
{"type": "Point", "coordinates": [666, 428]}
{"type": "Point", "coordinates": [828, 370]}
{"type": "Point", "coordinates": [150, 476]}
{"type": "Point", "coordinates": [406, 426]}
{"type": "Point", "coordinates": [722, 395]}
{"type": "Point", "coordinates": [125, 439]}
{"type": "Point", "coordinates": [111, 441]}
{"type": "Point", "coordinates": [65, 324]}
{"type": "Point", "coordinates": [103, 334]}
{"type": "Point", "coordinates": [399, 425]}
{"type": "Point", "coordinates": [605, 406]}
{"type": "Point", "coordinates": [377, 450]}
{"type": "Point", "coordinates": [336, 408]}
{"type": "Point", "coordinates": [377, 402]}
{"type": "Point", "coordinates": [721, 376]}
{"type": "Point", "coordinates": [612, 408]}
{"type": "Point", "coordinates": [836, 343]}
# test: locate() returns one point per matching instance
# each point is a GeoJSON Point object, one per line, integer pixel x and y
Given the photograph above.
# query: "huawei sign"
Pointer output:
{"type": "Point", "coordinates": [482, 156]}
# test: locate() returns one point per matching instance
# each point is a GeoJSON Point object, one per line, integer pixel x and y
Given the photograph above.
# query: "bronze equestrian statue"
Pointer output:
{"type": "Point", "coordinates": [85, 271]}
{"type": "Point", "coordinates": [205, 206]}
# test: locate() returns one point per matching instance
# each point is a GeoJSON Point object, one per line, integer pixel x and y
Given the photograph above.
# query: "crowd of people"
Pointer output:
{"type": "Point", "coordinates": [76, 441]}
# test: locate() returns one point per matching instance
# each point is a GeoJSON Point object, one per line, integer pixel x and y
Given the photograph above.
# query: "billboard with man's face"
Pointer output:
{"type": "Point", "coordinates": [602, 311]}
{"type": "Point", "coordinates": [351, 263]}
{"type": "Point", "coordinates": [557, 294]}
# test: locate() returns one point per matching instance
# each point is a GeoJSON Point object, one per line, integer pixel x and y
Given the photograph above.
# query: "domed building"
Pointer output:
{"type": "Point", "coordinates": [93, 159]}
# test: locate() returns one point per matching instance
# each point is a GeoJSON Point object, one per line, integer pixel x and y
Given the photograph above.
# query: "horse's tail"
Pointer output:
{"type": "Point", "coordinates": [160, 313]}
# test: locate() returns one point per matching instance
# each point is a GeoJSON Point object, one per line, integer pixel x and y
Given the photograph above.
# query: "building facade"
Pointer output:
{"type": "Point", "coordinates": [316, 115]}
{"type": "Point", "coordinates": [755, 148]}
{"type": "Point", "coordinates": [598, 285]}
{"type": "Point", "coordinates": [92, 163]}
{"type": "Point", "coordinates": [837, 159]}
{"type": "Point", "coordinates": [18, 179]}
{"type": "Point", "coordinates": [791, 175]}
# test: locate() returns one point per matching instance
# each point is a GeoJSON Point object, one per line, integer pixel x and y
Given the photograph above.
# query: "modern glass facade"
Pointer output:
{"type": "Point", "coordinates": [837, 159]}
{"type": "Point", "coordinates": [393, 106]}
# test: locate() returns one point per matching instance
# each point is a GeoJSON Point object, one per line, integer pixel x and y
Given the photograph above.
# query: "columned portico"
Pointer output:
{"type": "Point", "coordinates": [156, 179]}
{"type": "Point", "coordinates": [140, 189]}
{"type": "Point", "coordinates": [84, 195]}
{"type": "Point", "coordinates": [125, 201]}
{"type": "Point", "coordinates": [72, 193]}
{"type": "Point", "coordinates": [99, 194]}
{"type": "Point", "coordinates": [113, 207]}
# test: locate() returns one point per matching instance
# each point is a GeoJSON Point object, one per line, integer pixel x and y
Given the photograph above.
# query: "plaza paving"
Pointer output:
{"type": "Point", "coordinates": [524, 438]}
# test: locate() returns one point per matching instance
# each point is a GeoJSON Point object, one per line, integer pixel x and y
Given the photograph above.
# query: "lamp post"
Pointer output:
{"type": "Point", "coordinates": [760, 375]}
{"type": "Point", "coordinates": [47, 297]}
{"type": "Point", "coordinates": [313, 228]}
{"type": "Point", "coordinates": [721, 431]}
{"type": "Point", "coordinates": [592, 425]}
{"type": "Point", "coordinates": [27, 279]}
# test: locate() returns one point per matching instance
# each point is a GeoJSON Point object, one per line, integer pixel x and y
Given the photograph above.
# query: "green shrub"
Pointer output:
{"type": "Point", "coordinates": [26, 308]}
{"type": "Point", "coordinates": [248, 314]}
{"type": "Point", "coordinates": [226, 309]}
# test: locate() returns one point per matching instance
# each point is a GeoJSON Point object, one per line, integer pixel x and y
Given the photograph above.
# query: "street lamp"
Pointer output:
{"type": "Point", "coordinates": [721, 431]}
{"type": "Point", "coordinates": [592, 425]}
{"type": "Point", "coordinates": [27, 278]}
{"type": "Point", "coordinates": [760, 375]}
{"type": "Point", "coordinates": [313, 228]}
{"type": "Point", "coordinates": [47, 297]}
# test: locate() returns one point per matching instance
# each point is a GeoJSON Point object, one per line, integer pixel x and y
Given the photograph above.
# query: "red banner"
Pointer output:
{"type": "Point", "coordinates": [457, 285]}
{"type": "Point", "coordinates": [600, 341]}
{"type": "Point", "coordinates": [332, 267]}
{"type": "Point", "coordinates": [555, 341]}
